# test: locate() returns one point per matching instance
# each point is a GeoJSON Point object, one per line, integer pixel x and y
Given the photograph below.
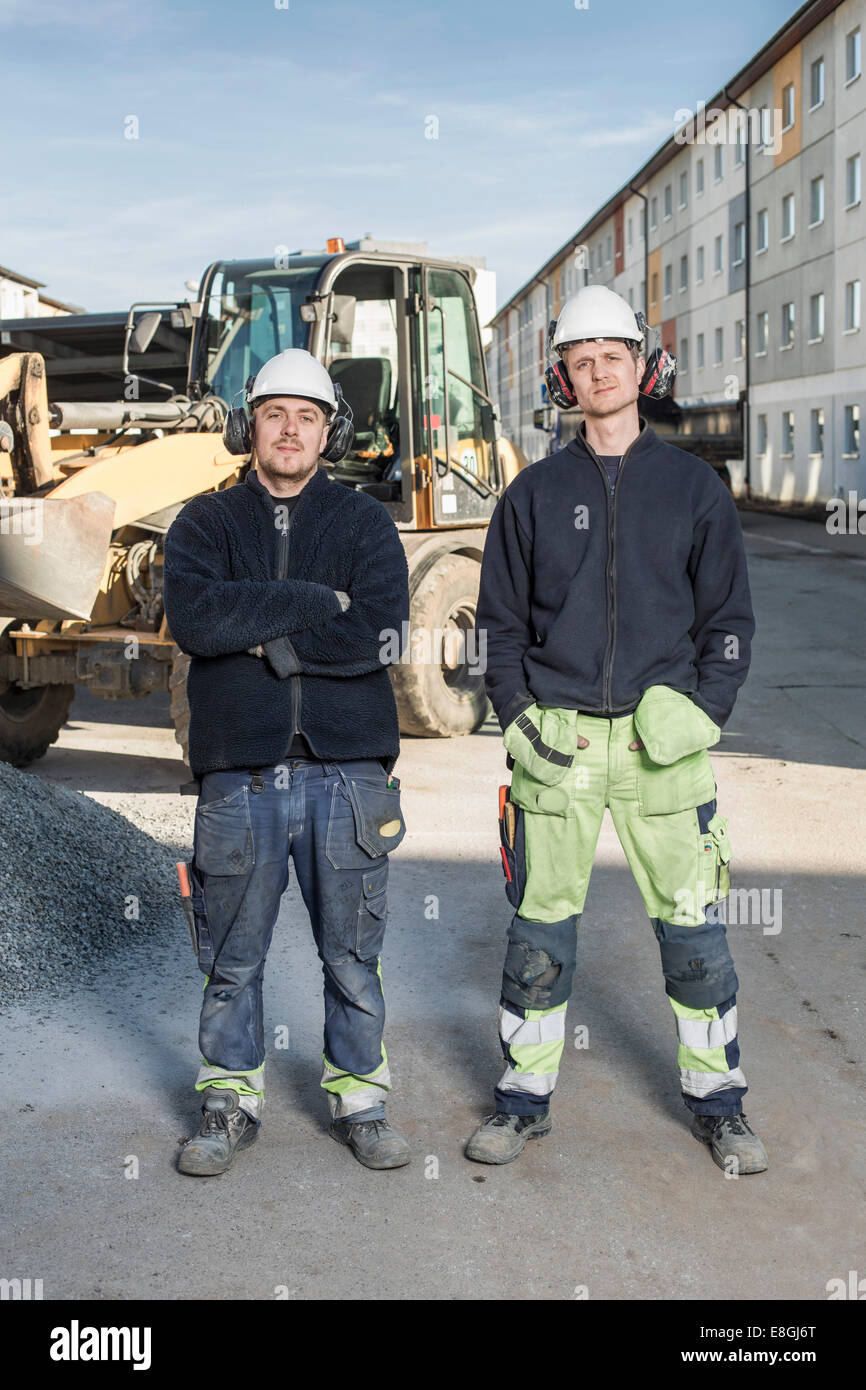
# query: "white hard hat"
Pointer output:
{"type": "Point", "coordinates": [595, 312]}
{"type": "Point", "coordinates": [294, 373]}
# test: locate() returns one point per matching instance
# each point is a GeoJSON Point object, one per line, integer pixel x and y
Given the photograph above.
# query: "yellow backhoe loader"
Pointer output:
{"type": "Point", "coordinates": [109, 423]}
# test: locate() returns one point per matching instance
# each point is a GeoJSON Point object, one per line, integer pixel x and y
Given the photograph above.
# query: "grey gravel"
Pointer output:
{"type": "Point", "coordinates": [80, 887]}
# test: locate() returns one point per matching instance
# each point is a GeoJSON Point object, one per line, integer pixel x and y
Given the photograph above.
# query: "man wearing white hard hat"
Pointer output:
{"type": "Point", "coordinates": [615, 600]}
{"type": "Point", "coordinates": [280, 589]}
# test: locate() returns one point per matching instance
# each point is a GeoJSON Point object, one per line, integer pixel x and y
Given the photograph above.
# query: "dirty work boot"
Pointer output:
{"type": "Point", "coordinates": [501, 1138]}
{"type": "Point", "coordinates": [731, 1137]}
{"type": "Point", "coordinates": [225, 1128]}
{"type": "Point", "coordinates": [373, 1142]}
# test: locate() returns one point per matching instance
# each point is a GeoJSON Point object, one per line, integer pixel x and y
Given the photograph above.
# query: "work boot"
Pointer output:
{"type": "Point", "coordinates": [373, 1142]}
{"type": "Point", "coordinates": [501, 1138]}
{"type": "Point", "coordinates": [225, 1128]}
{"type": "Point", "coordinates": [731, 1137]}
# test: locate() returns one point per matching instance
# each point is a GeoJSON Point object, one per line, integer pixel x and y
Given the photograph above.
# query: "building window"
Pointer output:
{"type": "Point", "coordinates": [643, 294]}
{"type": "Point", "coordinates": [816, 318]}
{"type": "Point", "coordinates": [655, 285]}
{"type": "Point", "coordinates": [699, 265]}
{"type": "Point", "coordinates": [739, 339]}
{"type": "Point", "coordinates": [740, 144]}
{"type": "Point", "coordinates": [699, 350]}
{"type": "Point", "coordinates": [852, 55]}
{"type": "Point", "coordinates": [852, 181]}
{"type": "Point", "coordinates": [739, 243]}
{"type": "Point", "coordinates": [788, 217]}
{"type": "Point", "coordinates": [600, 254]}
{"type": "Point", "coordinates": [718, 346]}
{"type": "Point", "coordinates": [718, 164]}
{"type": "Point", "coordinates": [764, 131]}
{"type": "Point", "coordinates": [591, 261]}
{"type": "Point", "coordinates": [629, 234]}
{"type": "Point", "coordinates": [817, 441]}
{"type": "Point", "coordinates": [761, 441]}
{"type": "Point", "coordinates": [668, 281]}
{"type": "Point", "coordinates": [763, 237]}
{"type": "Point", "coordinates": [684, 189]}
{"type": "Point", "coordinates": [788, 106]}
{"type": "Point", "coordinates": [699, 178]}
{"type": "Point", "coordinates": [852, 306]}
{"type": "Point", "coordinates": [816, 201]}
{"type": "Point", "coordinates": [763, 334]}
{"type": "Point", "coordinates": [852, 431]}
{"type": "Point", "coordinates": [684, 273]}
{"type": "Point", "coordinates": [787, 433]}
{"type": "Point", "coordinates": [654, 213]}
{"type": "Point", "coordinates": [816, 83]}
{"type": "Point", "coordinates": [609, 249]}
{"type": "Point", "coordinates": [683, 363]}
{"type": "Point", "coordinates": [718, 256]}
{"type": "Point", "coordinates": [787, 325]}
{"type": "Point", "coordinates": [669, 201]}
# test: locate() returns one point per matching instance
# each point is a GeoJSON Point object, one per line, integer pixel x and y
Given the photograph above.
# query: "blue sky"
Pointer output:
{"type": "Point", "coordinates": [261, 126]}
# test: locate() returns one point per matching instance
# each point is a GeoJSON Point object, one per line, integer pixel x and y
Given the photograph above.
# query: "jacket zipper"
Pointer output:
{"type": "Point", "coordinates": [610, 566]}
{"type": "Point", "coordinates": [282, 573]}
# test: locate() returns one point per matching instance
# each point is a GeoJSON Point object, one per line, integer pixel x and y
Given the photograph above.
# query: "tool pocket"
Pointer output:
{"type": "Point", "coordinates": [671, 726]}
{"type": "Point", "coordinates": [664, 789]}
{"type": "Point", "coordinates": [715, 855]}
{"type": "Point", "coordinates": [203, 939]}
{"type": "Point", "coordinates": [364, 821]}
{"type": "Point", "coordinates": [372, 912]}
{"type": "Point", "coordinates": [223, 837]}
{"type": "Point", "coordinates": [514, 857]}
{"type": "Point", "coordinates": [543, 742]}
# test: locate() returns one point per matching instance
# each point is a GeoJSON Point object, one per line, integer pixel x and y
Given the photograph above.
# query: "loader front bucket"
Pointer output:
{"type": "Point", "coordinates": [53, 553]}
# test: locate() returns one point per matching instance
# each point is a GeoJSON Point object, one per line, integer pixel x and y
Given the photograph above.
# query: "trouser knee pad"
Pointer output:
{"type": "Point", "coordinates": [539, 962]}
{"type": "Point", "coordinates": [697, 964]}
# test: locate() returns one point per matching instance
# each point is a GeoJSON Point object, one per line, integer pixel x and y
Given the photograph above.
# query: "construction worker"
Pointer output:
{"type": "Point", "coordinates": [615, 599]}
{"type": "Point", "coordinates": [281, 589]}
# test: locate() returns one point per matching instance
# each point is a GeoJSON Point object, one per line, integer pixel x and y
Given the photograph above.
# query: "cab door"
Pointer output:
{"type": "Point", "coordinates": [458, 421]}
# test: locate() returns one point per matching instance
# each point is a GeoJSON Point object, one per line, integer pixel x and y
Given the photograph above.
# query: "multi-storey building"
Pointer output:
{"type": "Point", "coordinates": [743, 239]}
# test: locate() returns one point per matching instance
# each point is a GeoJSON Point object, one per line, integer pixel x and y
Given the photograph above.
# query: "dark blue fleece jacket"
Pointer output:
{"type": "Point", "coordinates": [322, 674]}
{"type": "Point", "coordinates": [589, 596]}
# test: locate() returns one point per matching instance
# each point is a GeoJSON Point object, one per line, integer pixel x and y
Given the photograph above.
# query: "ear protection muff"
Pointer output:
{"type": "Point", "coordinates": [237, 437]}
{"type": "Point", "coordinates": [657, 381]}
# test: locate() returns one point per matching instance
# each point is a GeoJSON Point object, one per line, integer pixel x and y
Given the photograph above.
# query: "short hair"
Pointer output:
{"type": "Point", "coordinates": [636, 349]}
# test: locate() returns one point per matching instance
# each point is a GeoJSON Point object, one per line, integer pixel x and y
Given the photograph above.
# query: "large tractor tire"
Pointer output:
{"type": "Point", "coordinates": [178, 700]}
{"type": "Point", "coordinates": [30, 719]}
{"type": "Point", "coordinates": [439, 692]}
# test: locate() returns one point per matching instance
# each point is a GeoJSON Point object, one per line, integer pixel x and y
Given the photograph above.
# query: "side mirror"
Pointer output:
{"type": "Point", "coordinates": [142, 335]}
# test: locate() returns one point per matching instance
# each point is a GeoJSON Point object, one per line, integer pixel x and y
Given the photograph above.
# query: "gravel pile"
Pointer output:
{"type": "Point", "coordinates": [78, 885]}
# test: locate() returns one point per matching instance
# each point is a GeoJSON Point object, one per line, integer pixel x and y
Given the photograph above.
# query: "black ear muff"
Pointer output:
{"type": "Point", "coordinates": [660, 374]}
{"type": "Point", "coordinates": [236, 432]}
{"type": "Point", "coordinates": [559, 387]}
{"type": "Point", "coordinates": [341, 432]}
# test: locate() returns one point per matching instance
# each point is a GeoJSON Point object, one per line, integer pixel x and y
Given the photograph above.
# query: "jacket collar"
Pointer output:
{"type": "Point", "coordinates": [319, 480]}
{"type": "Point", "coordinates": [641, 441]}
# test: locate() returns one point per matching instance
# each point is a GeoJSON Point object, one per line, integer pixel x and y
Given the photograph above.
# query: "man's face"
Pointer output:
{"type": "Point", "coordinates": [289, 434]}
{"type": "Point", "coordinates": [604, 375]}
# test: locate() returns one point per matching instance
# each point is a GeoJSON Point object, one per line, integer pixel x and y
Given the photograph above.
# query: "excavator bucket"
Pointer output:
{"type": "Point", "coordinates": [53, 553]}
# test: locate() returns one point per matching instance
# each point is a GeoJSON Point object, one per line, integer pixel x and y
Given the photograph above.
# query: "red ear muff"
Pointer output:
{"type": "Point", "coordinates": [559, 386]}
{"type": "Point", "coordinates": [660, 374]}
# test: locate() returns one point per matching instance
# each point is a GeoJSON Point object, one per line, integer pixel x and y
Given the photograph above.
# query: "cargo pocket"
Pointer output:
{"type": "Point", "coordinates": [364, 822]}
{"type": "Point", "coordinates": [680, 786]}
{"type": "Point", "coordinates": [514, 858]}
{"type": "Point", "coordinates": [223, 837]}
{"type": "Point", "coordinates": [372, 912]}
{"type": "Point", "coordinates": [715, 853]}
{"type": "Point", "coordinates": [543, 742]}
{"type": "Point", "coordinates": [203, 938]}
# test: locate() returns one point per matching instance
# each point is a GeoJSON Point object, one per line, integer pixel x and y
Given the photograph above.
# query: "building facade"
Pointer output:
{"type": "Point", "coordinates": [743, 238]}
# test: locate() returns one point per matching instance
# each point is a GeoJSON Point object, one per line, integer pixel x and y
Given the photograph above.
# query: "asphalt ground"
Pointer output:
{"type": "Point", "coordinates": [619, 1202]}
